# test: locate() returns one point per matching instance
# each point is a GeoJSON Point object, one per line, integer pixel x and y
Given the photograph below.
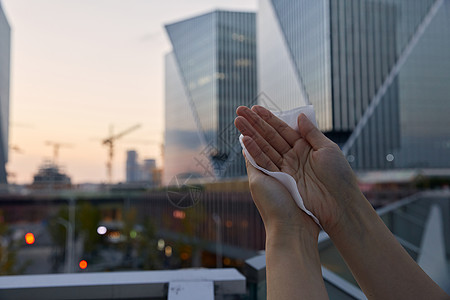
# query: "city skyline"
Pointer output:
{"type": "Point", "coordinates": [72, 79]}
{"type": "Point", "coordinates": [99, 67]}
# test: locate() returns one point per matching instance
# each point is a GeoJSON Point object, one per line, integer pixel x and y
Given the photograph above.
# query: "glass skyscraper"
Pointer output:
{"type": "Point", "coordinates": [5, 47]}
{"type": "Point", "coordinates": [211, 71]}
{"type": "Point", "coordinates": [377, 73]}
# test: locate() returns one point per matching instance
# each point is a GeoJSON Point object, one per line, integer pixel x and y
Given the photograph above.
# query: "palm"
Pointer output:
{"type": "Point", "coordinates": [309, 170]}
{"type": "Point", "coordinates": [319, 171]}
{"type": "Point", "coordinates": [275, 203]}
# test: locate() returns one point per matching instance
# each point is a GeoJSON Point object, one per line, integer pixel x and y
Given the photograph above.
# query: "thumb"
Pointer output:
{"type": "Point", "coordinates": [252, 172]}
{"type": "Point", "coordinates": [311, 133]}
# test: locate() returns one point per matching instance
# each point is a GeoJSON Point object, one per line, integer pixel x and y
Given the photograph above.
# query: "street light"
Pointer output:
{"type": "Point", "coordinates": [69, 243]}
{"type": "Point", "coordinates": [69, 225]}
{"type": "Point", "coordinates": [83, 264]}
{"type": "Point", "coordinates": [218, 221]}
{"type": "Point", "coordinates": [29, 238]}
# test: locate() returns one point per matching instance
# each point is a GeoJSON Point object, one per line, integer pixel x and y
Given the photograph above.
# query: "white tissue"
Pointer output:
{"type": "Point", "coordinates": [289, 117]}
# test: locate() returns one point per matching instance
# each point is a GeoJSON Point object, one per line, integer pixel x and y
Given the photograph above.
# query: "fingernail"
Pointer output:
{"type": "Point", "coordinates": [246, 139]}
{"type": "Point", "coordinates": [260, 110]}
{"type": "Point", "coordinates": [303, 116]}
{"type": "Point", "coordinates": [256, 107]}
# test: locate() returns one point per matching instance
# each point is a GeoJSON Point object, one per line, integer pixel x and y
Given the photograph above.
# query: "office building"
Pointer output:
{"type": "Point", "coordinates": [377, 73]}
{"type": "Point", "coordinates": [211, 71]}
{"type": "Point", "coordinates": [5, 59]}
{"type": "Point", "coordinates": [142, 172]}
{"type": "Point", "coordinates": [132, 167]}
{"type": "Point", "coordinates": [148, 168]}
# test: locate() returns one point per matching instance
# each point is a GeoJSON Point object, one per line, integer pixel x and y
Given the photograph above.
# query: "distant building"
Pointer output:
{"type": "Point", "coordinates": [133, 171]}
{"type": "Point", "coordinates": [211, 71]}
{"type": "Point", "coordinates": [50, 176]}
{"type": "Point", "coordinates": [377, 73]}
{"type": "Point", "coordinates": [145, 172]}
{"type": "Point", "coordinates": [157, 177]}
{"type": "Point", "coordinates": [147, 168]}
{"type": "Point", "coordinates": [5, 60]}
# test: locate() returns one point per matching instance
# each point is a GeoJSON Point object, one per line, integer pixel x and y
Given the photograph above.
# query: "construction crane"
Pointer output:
{"type": "Point", "coordinates": [56, 146]}
{"type": "Point", "coordinates": [16, 149]}
{"type": "Point", "coordinates": [109, 142]}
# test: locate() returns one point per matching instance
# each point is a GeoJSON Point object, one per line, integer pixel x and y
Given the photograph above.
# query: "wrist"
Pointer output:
{"type": "Point", "coordinates": [355, 220]}
{"type": "Point", "coordinates": [280, 235]}
{"type": "Point", "coordinates": [293, 263]}
{"type": "Point", "coordinates": [292, 247]}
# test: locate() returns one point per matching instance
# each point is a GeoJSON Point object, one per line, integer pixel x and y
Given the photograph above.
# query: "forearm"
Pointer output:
{"type": "Point", "coordinates": [383, 269]}
{"type": "Point", "coordinates": [293, 265]}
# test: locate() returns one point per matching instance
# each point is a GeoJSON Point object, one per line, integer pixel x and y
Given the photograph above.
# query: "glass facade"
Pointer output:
{"type": "Point", "coordinates": [5, 48]}
{"type": "Point", "coordinates": [214, 58]}
{"type": "Point", "coordinates": [293, 55]}
{"type": "Point", "coordinates": [305, 35]}
{"type": "Point", "coordinates": [375, 71]}
{"type": "Point", "coordinates": [363, 51]}
{"type": "Point", "coordinates": [182, 139]}
{"type": "Point", "coordinates": [417, 102]}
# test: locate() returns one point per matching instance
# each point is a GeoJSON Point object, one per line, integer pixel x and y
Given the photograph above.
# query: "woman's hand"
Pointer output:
{"type": "Point", "coordinates": [279, 212]}
{"type": "Point", "coordinates": [329, 190]}
{"type": "Point", "coordinates": [324, 178]}
{"type": "Point", "coordinates": [292, 258]}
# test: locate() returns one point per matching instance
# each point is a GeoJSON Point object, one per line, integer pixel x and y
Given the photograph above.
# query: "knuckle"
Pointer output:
{"type": "Point", "coordinates": [266, 115]}
{"type": "Point", "coordinates": [268, 165]}
{"type": "Point", "coordinates": [253, 121]}
{"type": "Point", "coordinates": [265, 148]}
{"type": "Point", "coordinates": [270, 134]}
{"type": "Point", "coordinates": [279, 161]}
{"type": "Point", "coordinates": [258, 156]}
{"type": "Point", "coordinates": [282, 127]}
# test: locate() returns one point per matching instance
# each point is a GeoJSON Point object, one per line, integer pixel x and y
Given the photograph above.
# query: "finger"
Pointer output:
{"type": "Point", "coordinates": [312, 134]}
{"type": "Point", "coordinates": [259, 156]}
{"type": "Point", "coordinates": [283, 129]}
{"type": "Point", "coordinates": [255, 179]}
{"type": "Point", "coordinates": [247, 130]}
{"type": "Point", "coordinates": [251, 170]}
{"type": "Point", "coordinates": [266, 131]}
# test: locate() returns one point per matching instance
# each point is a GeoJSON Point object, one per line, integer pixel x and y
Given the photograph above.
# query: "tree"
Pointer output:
{"type": "Point", "coordinates": [8, 251]}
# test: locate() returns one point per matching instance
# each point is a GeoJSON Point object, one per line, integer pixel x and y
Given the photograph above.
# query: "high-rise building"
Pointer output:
{"type": "Point", "coordinates": [211, 71]}
{"type": "Point", "coordinates": [377, 73]}
{"type": "Point", "coordinates": [148, 168]}
{"type": "Point", "coordinates": [144, 172]}
{"type": "Point", "coordinates": [5, 48]}
{"type": "Point", "coordinates": [133, 168]}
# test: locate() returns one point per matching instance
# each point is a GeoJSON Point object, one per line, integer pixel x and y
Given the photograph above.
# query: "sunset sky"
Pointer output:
{"type": "Point", "coordinates": [78, 66]}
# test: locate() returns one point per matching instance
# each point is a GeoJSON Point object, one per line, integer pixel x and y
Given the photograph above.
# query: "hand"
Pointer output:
{"type": "Point", "coordinates": [324, 178]}
{"type": "Point", "coordinates": [329, 190]}
{"type": "Point", "coordinates": [279, 212]}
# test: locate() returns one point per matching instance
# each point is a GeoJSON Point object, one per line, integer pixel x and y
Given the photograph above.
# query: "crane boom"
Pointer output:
{"type": "Point", "coordinates": [119, 135]}
{"type": "Point", "coordinates": [109, 141]}
{"type": "Point", "coordinates": [56, 146]}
